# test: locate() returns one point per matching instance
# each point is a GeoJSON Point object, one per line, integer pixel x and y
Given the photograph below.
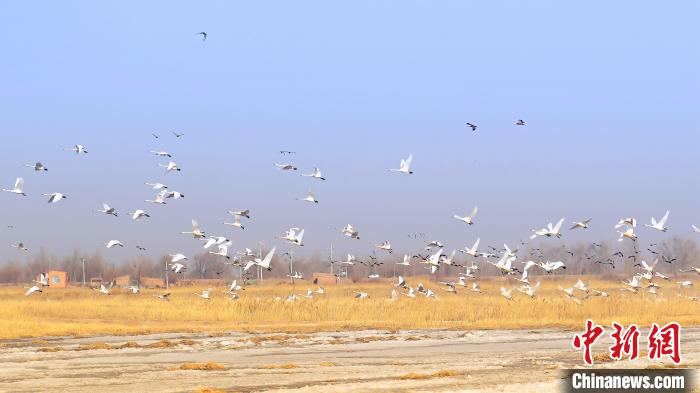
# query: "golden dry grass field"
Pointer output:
{"type": "Point", "coordinates": [82, 312]}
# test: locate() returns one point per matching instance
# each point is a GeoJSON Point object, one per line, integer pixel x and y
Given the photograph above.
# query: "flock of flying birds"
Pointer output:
{"type": "Point", "coordinates": [433, 258]}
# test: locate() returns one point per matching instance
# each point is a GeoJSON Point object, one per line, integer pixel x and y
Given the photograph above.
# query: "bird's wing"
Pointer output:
{"type": "Point", "coordinates": [473, 214]}
{"type": "Point", "coordinates": [409, 160]}
{"type": "Point", "coordinates": [557, 227]}
{"type": "Point", "coordinates": [19, 183]}
{"type": "Point", "coordinates": [696, 229]}
{"type": "Point", "coordinates": [663, 220]}
{"type": "Point", "coordinates": [195, 226]}
{"type": "Point", "coordinates": [476, 244]}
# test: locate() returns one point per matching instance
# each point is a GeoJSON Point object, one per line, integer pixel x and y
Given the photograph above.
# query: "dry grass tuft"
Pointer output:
{"type": "Point", "coordinates": [208, 366]}
{"type": "Point", "coordinates": [279, 366]}
{"type": "Point", "coordinates": [161, 344]}
{"type": "Point", "coordinates": [278, 338]}
{"type": "Point", "coordinates": [327, 364]}
{"type": "Point", "coordinates": [437, 374]}
{"type": "Point", "coordinates": [209, 390]}
{"type": "Point", "coordinates": [94, 346]}
{"type": "Point", "coordinates": [602, 357]}
{"type": "Point", "coordinates": [664, 366]}
{"type": "Point", "coordinates": [49, 349]}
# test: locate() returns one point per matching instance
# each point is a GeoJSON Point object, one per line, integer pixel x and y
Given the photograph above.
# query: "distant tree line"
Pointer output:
{"type": "Point", "coordinates": [603, 258]}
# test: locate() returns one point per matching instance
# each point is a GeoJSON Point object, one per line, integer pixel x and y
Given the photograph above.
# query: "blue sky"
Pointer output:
{"type": "Point", "coordinates": [609, 91]}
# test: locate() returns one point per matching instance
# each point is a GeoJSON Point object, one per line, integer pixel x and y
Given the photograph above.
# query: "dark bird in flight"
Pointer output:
{"type": "Point", "coordinates": [472, 126]}
{"type": "Point", "coordinates": [203, 34]}
{"type": "Point", "coordinates": [668, 260]}
{"type": "Point", "coordinates": [520, 122]}
{"type": "Point", "coordinates": [155, 135]}
{"type": "Point", "coordinates": [141, 248]}
{"type": "Point", "coordinates": [287, 152]}
{"type": "Point", "coordinates": [177, 135]}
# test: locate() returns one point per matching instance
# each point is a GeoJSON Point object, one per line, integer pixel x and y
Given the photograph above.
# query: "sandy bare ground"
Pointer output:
{"type": "Point", "coordinates": [508, 361]}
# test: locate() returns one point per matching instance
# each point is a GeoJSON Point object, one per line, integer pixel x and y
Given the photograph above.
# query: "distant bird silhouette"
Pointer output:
{"type": "Point", "coordinates": [203, 34]}
{"type": "Point", "coordinates": [472, 126]}
{"type": "Point", "coordinates": [520, 122]}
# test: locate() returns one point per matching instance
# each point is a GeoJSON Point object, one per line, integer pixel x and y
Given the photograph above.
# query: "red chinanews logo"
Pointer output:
{"type": "Point", "coordinates": [662, 341]}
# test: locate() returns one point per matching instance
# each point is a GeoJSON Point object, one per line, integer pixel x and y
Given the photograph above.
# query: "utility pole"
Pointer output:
{"type": "Point", "coordinates": [291, 265]}
{"type": "Point", "coordinates": [83, 261]}
{"type": "Point", "coordinates": [167, 282]}
{"type": "Point", "coordinates": [332, 259]}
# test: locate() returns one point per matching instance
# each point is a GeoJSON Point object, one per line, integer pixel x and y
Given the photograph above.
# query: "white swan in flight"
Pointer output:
{"type": "Point", "coordinates": [684, 284]}
{"type": "Point", "coordinates": [242, 213]}
{"type": "Point", "coordinates": [235, 287]}
{"type": "Point", "coordinates": [138, 214]}
{"type": "Point", "coordinates": [223, 250]}
{"type": "Point", "coordinates": [386, 246]}
{"type": "Point", "coordinates": [215, 240]}
{"type": "Point", "coordinates": [361, 295]}
{"type": "Point", "coordinates": [103, 289]}
{"type": "Point", "coordinates": [78, 149]}
{"type": "Point", "coordinates": [178, 268]}
{"type": "Point", "coordinates": [507, 293]}
{"type": "Point", "coordinates": [20, 246]}
{"type": "Point", "coordinates": [406, 260]}
{"type": "Point", "coordinates": [174, 258]}
{"type": "Point", "coordinates": [473, 251]}
{"type": "Point", "coordinates": [38, 167]}
{"type": "Point", "coordinates": [695, 229]}
{"type": "Point", "coordinates": [196, 231]}
{"type": "Point", "coordinates": [159, 199]}
{"type": "Point", "coordinates": [469, 220]}
{"type": "Point", "coordinates": [157, 186]}
{"type": "Point", "coordinates": [113, 243]}
{"type": "Point", "coordinates": [549, 231]}
{"type": "Point", "coordinates": [236, 222]}
{"type": "Point", "coordinates": [286, 167]}
{"type": "Point", "coordinates": [108, 210]}
{"type": "Point", "coordinates": [350, 232]}
{"type": "Point", "coordinates": [659, 225]}
{"type": "Point", "coordinates": [205, 294]}
{"type": "Point", "coordinates": [316, 174]}
{"type": "Point", "coordinates": [505, 264]}
{"type": "Point", "coordinates": [405, 166]}
{"type": "Point", "coordinates": [18, 189]}
{"type": "Point", "coordinates": [580, 224]}
{"type": "Point", "coordinates": [43, 280]}
{"type": "Point", "coordinates": [263, 263]}
{"type": "Point", "coordinates": [32, 290]}
{"type": "Point", "coordinates": [294, 236]}
{"type": "Point", "coordinates": [549, 266]}
{"type": "Point", "coordinates": [529, 290]}
{"type": "Point", "coordinates": [629, 221]}
{"type": "Point", "coordinates": [174, 194]}
{"type": "Point", "coordinates": [629, 234]}
{"type": "Point", "coordinates": [310, 197]}
{"type": "Point", "coordinates": [160, 153]}
{"type": "Point", "coordinates": [170, 167]}
{"type": "Point", "coordinates": [55, 197]}
{"type": "Point", "coordinates": [433, 244]}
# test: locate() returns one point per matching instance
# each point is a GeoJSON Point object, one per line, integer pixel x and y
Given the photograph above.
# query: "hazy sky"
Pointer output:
{"type": "Point", "coordinates": [609, 91]}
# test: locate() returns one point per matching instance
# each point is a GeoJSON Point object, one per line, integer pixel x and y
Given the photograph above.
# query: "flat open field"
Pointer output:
{"type": "Point", "coordinates": [357, 361]}
{"type": "Point", "coordinates": [84, 312]}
